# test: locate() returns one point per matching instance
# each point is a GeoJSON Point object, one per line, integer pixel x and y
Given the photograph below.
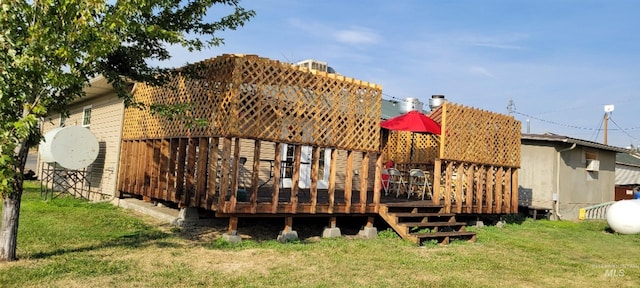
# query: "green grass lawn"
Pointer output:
{"type": "Point", "coordinates": [72, 243]}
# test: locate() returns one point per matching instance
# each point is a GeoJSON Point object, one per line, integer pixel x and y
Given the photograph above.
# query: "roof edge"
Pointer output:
{"type": "Point", "coordinates": [565, 139]}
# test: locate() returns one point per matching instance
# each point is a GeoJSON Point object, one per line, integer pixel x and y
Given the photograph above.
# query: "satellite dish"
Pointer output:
{"type": "Point", "coordinates": [72, 147]}
{"type": "Point", "coordinates": [608, 108]}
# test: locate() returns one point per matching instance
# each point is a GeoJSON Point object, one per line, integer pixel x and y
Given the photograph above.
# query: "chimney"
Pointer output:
{"type": "Point", "coordinates": [436, 101]}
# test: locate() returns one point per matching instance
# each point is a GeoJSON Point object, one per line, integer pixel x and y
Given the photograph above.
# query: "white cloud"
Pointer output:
{"type": "Point", "coordinates": [357, 36]}
{"type": "Point", "coordinates": [481, 71]}
{"type": "Point", "coordinates": [503, 41]}
{"type": "Point", "coordinates": [313, 28]}
{"type": "Point", "coordinates": [350, 36]}
{"type": "Point", "coordinates": [497, 45]}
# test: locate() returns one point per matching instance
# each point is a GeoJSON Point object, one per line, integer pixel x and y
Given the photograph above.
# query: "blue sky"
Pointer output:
{"type": "Point", "coordinates": [559, 61]}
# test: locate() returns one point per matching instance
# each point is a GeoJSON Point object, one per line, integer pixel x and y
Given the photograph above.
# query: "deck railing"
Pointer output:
{"type": "Point", "coordinates": [475, 188]}
{"type": "Point", "coordinates": [193, 171]}
{"type": "Point", "coordinates": [474, 160]}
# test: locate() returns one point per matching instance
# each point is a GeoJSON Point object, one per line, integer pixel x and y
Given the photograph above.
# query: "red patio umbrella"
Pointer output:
{"type": "Point", "coordinates": [413, 121]}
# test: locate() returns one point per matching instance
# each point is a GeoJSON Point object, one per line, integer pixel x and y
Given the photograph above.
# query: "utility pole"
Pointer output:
{"type": "Point", "coordinates": [511, 106]}
{"type": "Point", "coordinates": [606, 121]}
{"type": "Point", "coordinates": [607, 111]}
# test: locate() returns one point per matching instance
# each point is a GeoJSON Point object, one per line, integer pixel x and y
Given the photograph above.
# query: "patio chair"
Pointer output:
{"type": "Point", "coordinates": [396, 182]}
{"type": "Point", "coordinates": [385, 181]}
{"type": "Point", "coordinates": [419, 183]}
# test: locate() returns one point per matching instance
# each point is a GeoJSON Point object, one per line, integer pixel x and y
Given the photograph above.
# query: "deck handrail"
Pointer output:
{"type": "Point", "coordinates": [595, 212]}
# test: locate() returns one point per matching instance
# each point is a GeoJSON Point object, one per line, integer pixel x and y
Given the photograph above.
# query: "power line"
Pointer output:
{"type": "Point", "coordinates": [625, 132]}
{"type": "Point", "coordinates": [394, 98]}
{"type": "Point", "coordinates": [553, 122]}
{"type": "Point", "coordinates": [597, 132]}
{"type": "Point", "coordinates": [633, 128]}
{"type": "Point", "coordinates": [512, 110]}
{"type": "Point", "coordinates": [573, 126]}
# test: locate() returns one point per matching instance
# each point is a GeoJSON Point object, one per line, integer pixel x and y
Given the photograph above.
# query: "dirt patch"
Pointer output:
{"type": "Point", "coordinates": [256, 261]}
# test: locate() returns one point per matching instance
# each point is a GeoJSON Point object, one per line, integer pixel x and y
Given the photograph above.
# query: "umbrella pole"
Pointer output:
{"type": "Point", "coordinates": [411, 152]}
{"type": "Point", "coordinates": [411, 148]}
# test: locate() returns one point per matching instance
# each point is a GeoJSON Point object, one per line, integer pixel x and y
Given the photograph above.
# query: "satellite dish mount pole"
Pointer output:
{"type": "Point", "coordinates": [607, 111]}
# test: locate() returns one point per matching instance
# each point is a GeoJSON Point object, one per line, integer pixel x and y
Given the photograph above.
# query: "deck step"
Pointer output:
{"type": "Point", "coordinates": [443, 234]}
{"type": "Point", "coordinates": [409, 214]}
{"type": "Point", "coordinates": [441, 227]}
{"type": "Point", "coordinates": [432, 224]}
{"type": "Point", "coordinates": [445, 237]}
{"type": "Point", "coordinates": [416, 204]}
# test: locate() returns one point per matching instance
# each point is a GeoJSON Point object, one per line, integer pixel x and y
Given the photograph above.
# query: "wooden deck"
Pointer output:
{"type": "Point", "coordinates": [312, 127]}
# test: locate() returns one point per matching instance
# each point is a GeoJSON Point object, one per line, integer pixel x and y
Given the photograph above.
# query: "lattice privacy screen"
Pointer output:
{"type": "Point", "coordinates": [478, 136]}
{"type": "Point", "coordinates": [247, 96]}
{"type": "Point", "coordinates": [405, 147]}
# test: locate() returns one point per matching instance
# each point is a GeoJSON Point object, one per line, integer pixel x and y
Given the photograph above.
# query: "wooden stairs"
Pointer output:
{"type": "Point", "coordinates": [420, 221]}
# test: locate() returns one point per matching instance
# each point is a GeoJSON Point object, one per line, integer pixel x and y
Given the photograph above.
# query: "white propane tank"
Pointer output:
{"type": "Point", "coordinates": [624, 216]}
{"type": "Point", "coordinates": [72, 147]}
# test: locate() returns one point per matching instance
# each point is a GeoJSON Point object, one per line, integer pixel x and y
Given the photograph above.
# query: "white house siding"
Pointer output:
{"type": "Point", "coordinates": [341, 167]}
{"type": "Point", "coordinates": [267, 152]}
{"type": "Point", "coordinates": [106, 124]}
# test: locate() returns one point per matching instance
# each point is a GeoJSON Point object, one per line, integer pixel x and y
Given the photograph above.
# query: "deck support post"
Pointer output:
{"type": "Point", "coordinates": [331, 231]}
{"type": "Point", "coordinates": [478, 223]}
{"type": "Point", "coordinates": [368, 231]}
{"type": "Point", "coordinates": [288, 234]}
{"type": "Point", "coordinates": [187, 216]}
{"type": "Point", "coordinates": [232, 231]}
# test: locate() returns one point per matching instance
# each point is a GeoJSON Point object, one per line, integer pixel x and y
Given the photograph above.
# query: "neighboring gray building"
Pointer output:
{"type": "Point", "coordinates": [390, 109]}
{"type": "Point", "coordinates": [564, 174]}
{"type": "Point", "coordinates": [627, 175]}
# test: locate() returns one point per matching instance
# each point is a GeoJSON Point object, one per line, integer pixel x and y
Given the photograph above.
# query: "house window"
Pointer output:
{"type": "Point", "coordinates": [321, 164]}
{"type": "Point", "coordinates": [592, 165]}
{"type": "Point", "coordinates": [590, 155]}
{"type": "Point", "coordinates": [287, 164]}
{"type": "Point", "coordinates": [86, 116]}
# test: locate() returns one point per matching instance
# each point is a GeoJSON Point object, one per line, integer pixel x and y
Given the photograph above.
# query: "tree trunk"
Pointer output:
{"type": "Point", "coordinates": [11, 209]}
{"type": "Point", "coordinates": [9, 231]}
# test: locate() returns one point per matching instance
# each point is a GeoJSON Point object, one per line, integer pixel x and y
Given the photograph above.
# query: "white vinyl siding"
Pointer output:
{"type": "Point", "coordinates": [105, 120]}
